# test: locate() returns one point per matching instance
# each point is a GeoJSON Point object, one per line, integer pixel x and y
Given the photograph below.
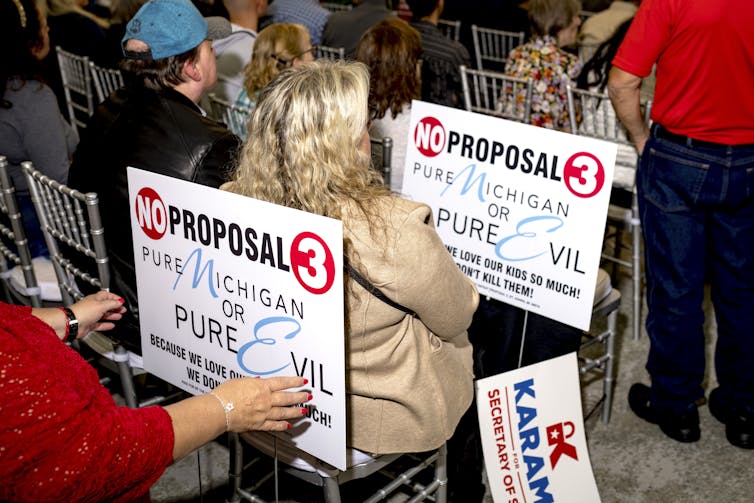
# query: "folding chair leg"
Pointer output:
{"type": "Point", "coordinates": [235, 468]}
{"type": "Point", "coordinates": [636, 265]}
{"type": "Point", "coordinates": [441, 474]}
{"type": "Point", "coordinates": [126, 378]}
{"type": "Point", "coordinates": [616, 254]}
{"type": "Point", "coordinates": [6, 291]}
{"type": "Point", "coordinates": [331, 490]}
{"type": "Point", "coordinates": [608, 378]}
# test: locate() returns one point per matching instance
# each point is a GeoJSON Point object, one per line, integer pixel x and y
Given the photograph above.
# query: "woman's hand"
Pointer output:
{"type": "Point", "coordinates": [262, 404]}
{"type": "Point", "coordinates": [96, 312]}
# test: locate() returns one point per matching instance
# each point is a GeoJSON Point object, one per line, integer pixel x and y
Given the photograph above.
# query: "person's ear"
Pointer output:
{"type": "Point", "coordinates": [192, 71]}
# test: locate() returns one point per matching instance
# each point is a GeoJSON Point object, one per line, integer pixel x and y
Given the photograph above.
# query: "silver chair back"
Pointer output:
{"type": "Point", "coordinates": [382, 156]}
{"type": "Point", "coordinates": [496, 94]}
{"type": "Point", "coordinates": [491, 46]}
{"type": "Point", "coordinates": [77, 86]}
{"type": "Point", "coordinates": [334, 53]}
{"type": "Point", "coordinates": [234, 116]}
{"type": "Point", "coordinates": [70, 221]}
{"type": "Point", "coordinates": [451, 29]}
{"type": "Point", "coordinates": [106, 80]}
{"type": "Point", "coordinates": [336, 7]}
{"type": "Point", "coordinates": [72, 227]}
{"type": "Point", "coordinates": [14, 248]}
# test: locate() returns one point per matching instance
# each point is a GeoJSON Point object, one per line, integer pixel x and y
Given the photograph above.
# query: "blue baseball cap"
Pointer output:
{"type": "Point", "coordinates": [171, 27]}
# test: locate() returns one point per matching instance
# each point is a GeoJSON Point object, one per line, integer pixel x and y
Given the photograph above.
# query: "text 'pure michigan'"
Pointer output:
{"type": "Point", "coordinates": [307, 256]}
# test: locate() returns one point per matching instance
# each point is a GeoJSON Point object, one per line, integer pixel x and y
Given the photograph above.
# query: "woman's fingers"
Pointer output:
{"type": "Point", "coordinates": [285, 398]}
{"type": "Point", "coordinates": [275, 426]}
{"type": "Point", "coordinates": [281, 383]}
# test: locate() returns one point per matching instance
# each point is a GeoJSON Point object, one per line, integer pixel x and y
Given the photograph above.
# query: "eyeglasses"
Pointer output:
{"type": "Point", "coordinates": [313, 49]}
{"type": "Point", "coordinates": [285, 63]}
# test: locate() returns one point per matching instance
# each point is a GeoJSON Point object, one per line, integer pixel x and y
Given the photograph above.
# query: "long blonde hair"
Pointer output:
{"type": "Point", "coordinates": [303, 147]}
{"type": "Point", "coordinates": [60, 7]}
{"type": "Point", "coordinates": [274, 50]}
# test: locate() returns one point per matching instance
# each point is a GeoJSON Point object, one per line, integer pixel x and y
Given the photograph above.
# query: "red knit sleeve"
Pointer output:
{"type": "Point", "coordinates": [62, 437]}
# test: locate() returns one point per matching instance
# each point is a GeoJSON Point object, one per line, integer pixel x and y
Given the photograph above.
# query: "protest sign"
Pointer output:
{"type": "Point", "coordinates": [533, 434]}
{"type": "Point", "coordinates": [521, 209]}
{"type": "Point", "coordinates": [232, 287]}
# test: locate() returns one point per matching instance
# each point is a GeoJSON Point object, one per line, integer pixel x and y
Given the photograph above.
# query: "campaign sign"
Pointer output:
{"type": "Point", "coordinates": [230, 286]}
{"type": "Point", "coordinates": [521, 209]}
{"type": "Point", "coordinates": [533, 434]}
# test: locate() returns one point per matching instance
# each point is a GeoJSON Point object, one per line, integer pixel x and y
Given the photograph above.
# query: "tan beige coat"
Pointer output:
{"type": "Point", "coordinates": [409, 378]}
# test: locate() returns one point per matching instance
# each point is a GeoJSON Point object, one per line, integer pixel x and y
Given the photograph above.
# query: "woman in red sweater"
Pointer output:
{"type": "Point", "coordinates": [63, 438]}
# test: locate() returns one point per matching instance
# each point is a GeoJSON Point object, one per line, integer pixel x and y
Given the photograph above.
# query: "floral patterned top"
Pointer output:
{"type": "Point", "coordinates": [552, 70]}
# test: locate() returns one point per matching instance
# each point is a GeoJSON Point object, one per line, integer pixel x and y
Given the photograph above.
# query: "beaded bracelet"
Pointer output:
{"type": "Point", "coordinates": [67, 323]}
{"type": "Point", "coordinates": [227, 407]}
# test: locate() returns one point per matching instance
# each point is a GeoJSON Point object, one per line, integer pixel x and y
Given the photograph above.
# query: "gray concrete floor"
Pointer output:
{"type": "Point", "coordinates": [632, 460]}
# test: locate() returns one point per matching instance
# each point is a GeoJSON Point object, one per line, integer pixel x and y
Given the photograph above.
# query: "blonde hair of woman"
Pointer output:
{"type": "Point", "coordinates": [60, 7]}
{"type": "Point", "coordinates": [306, 143]}
{"type": "Point", "coordinates": [278, 46]}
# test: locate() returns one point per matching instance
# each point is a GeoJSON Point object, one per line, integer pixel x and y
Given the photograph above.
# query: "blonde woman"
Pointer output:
{"type": "Point", "coordinates": [408, 360]}
{"type": "Point", "coordinates": [276, 48]}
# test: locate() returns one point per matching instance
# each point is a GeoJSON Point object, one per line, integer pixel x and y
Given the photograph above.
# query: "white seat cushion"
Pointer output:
{"type": "Point", "coordinates": [285, 450]}
{"type": "Point", "coordinates": [46, 279]}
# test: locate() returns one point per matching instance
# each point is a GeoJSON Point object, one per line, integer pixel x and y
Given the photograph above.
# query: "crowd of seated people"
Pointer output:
{"type": "Point", "coordinates": [156, 123]}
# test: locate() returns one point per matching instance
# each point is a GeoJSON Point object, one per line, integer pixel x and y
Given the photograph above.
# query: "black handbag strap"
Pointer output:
{"type": "Point", "coordinates": [369, 287]}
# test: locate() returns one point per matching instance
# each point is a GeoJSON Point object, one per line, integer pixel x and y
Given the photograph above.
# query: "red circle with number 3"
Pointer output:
{"type": "Point", "coordinates": [312, 263]}
{"type": "Point", "coordinates": [584, 174]}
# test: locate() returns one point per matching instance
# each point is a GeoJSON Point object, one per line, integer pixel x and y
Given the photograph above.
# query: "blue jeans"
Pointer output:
{"type": "Point", "coordinates": [32, 227]}
{"type": "Point", "coordinates": [697, 213]}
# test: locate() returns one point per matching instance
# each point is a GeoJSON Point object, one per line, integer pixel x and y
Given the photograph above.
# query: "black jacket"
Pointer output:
{"type": "Point", "coordinates": [163, 132]}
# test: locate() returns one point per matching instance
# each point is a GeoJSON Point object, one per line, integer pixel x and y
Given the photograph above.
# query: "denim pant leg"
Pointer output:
{"type": "Point", "coordinates": [668, 186]}
{"type": "Point", "coordinates": [32, 227]}
{"type": "Point", "coordinates": [731, 274]}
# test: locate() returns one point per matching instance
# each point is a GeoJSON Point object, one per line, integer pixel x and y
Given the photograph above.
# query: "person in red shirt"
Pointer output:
{"type": "Point", "coordinates": [696, 203]}
{"type": "Point", "coordinates": [62, 437]}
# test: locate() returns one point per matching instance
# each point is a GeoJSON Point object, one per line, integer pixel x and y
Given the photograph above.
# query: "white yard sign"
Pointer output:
{"type": "Point", "coordinates": [533, 434]}
{"type": "Point", "coordinates": [230, 286]}
{"type": "Point", "coordinates": [522, 209]}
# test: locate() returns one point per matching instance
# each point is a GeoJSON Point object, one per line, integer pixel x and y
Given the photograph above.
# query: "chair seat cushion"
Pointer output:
{"type": "Point", "coordinates": [285, 451]}
{"type": "Point", "coordinates": [102, 345]}
{"type": "Point", "coordinates": [46, 280]}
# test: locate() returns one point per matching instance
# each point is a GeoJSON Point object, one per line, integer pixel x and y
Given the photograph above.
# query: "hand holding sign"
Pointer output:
{"type": "Point", "coordinates": [261, 404]}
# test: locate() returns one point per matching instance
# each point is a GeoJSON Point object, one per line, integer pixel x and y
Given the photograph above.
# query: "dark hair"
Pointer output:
{"type": "Point", "coordinates": [391, 50]}
{"type": "Point", "coordinates": [548, 17]}
{"type": "Point", "coordinates": [158, 74]}
{"type": "Point", "coordinates": [595, 71]}
{"type": "Point", "coordinates": [18, 42]}
{"type": "Point", "coordinates": [421, 8]}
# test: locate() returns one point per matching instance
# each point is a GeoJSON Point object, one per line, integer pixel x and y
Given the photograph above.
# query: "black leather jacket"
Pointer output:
{"type": "Point", "coordinates": [163, 132]}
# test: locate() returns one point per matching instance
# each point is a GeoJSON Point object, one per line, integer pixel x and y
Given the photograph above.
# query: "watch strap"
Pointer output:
{"type": "Point", "coordinates": [73, 324]}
